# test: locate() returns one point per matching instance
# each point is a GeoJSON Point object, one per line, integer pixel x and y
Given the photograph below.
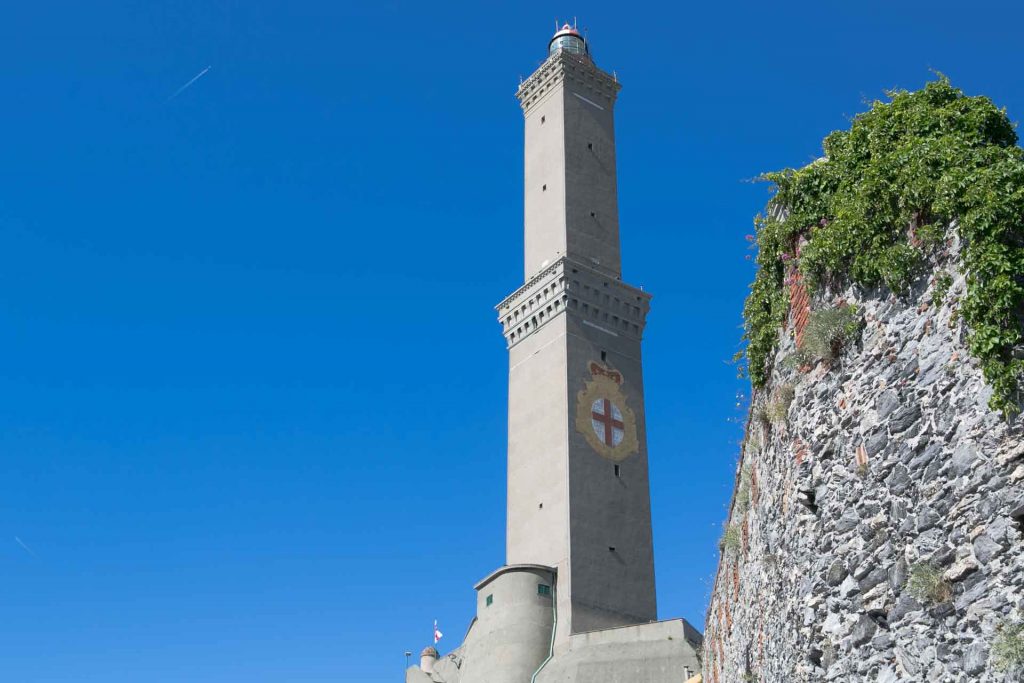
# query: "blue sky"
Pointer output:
{"type": "Point", "coordinates": [252, 392]}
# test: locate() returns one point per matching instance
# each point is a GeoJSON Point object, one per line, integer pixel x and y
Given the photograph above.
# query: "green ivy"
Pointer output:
{"type": "Point", "coordinates": [883, 199]}
{"type": "Point", "coordinates": [943, 281]}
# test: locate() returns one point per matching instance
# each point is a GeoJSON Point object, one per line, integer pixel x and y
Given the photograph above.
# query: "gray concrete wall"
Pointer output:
{"type": "Point", "coordinates": [570, 193]}
{"type": "Point", "coordinates": [658, 652]}
{"type": "Point", "coordinates": [510, 640]}
{"type": "Point", "coordinates": [568, 502]}
{"type": "Point", "coordinates": [608, 510]}
{"type": "Point", "coordinates": [512, 635]}
{"type": "Point", "coordinates": [591, 198]}
{"type": "Point", "coordinates": [544, 190]}
{"type": "Point", "coordinates": [538, 515]}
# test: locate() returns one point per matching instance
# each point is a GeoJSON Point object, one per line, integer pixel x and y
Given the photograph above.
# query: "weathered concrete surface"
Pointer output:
{"type": "Point", "coordinates": [888, 460]}
{"type": "Point", "coordinates": [512, 638]}
{"type": "Point", "coordinates": [511, 635]}
{"type": "Point", "coordinates": [658, 652]}
{"type": "Point", "coordinates": [570, 196]}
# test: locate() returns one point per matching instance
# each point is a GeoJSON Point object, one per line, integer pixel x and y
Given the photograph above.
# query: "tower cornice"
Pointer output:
{"type": "Point", "coordinates": [562, 67]}
{"type": "Point", "coordinates": [569, 287]}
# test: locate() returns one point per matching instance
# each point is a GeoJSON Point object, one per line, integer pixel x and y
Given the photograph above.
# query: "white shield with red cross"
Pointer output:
{"type": "Point", "coordinates": [602, 416]}
{"type": "Point", "coordinates": [606, 419]}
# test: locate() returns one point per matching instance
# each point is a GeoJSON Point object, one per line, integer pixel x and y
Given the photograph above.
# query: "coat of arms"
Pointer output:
{"type": "Point", "coordinates": [603, 417]}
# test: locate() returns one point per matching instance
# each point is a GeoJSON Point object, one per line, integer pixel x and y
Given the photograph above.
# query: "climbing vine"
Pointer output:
{"type": "Point", "coordinates": [883, 200]}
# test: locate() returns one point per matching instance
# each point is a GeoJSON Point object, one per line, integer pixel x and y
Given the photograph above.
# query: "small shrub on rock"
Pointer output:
{"type": "Point", "coordinates": [754, 442]}
{"type": "Point", "coordinates": [1008, 647]}
{"type": "Point", "coordinates": [761, 416]}
{"type": "Point", "coordinates": [828, 334]}
{"type": "Point", "coordinates": [730, 541]}
{"type": "Point", "coordinates": [777, 409]}
{"type": "Point", "coordinates": [927, 585]}
{"type": "Point", "coordinates": [743, 492]}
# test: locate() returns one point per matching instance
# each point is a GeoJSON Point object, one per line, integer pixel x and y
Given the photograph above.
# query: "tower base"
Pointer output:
{"type": "Point", "coordinates": [512, 640]}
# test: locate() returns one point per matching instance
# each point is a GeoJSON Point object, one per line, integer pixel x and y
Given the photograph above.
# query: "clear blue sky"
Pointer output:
{"type": "Point", "coordinates": [252, 392]}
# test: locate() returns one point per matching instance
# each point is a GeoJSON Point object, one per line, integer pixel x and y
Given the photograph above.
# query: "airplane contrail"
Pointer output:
{"type": "Point", "coordinates": [185, 87]}
{"type": "Point", "coordinates": [27, 549]}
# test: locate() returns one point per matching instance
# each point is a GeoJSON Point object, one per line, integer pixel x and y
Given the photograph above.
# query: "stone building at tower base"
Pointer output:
{"type": "Point", "coordinates": [511, 640]}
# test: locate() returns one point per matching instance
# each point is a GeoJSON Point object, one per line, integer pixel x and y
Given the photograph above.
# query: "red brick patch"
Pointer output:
{"type": "Point", "coordinates": [800, 449]}
{"type": "Point", "coordinates": [799, 304]}
{"type": "Point", "coordinates": [861, 456]}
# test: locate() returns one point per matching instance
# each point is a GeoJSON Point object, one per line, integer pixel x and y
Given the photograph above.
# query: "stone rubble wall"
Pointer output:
{"type": "Point", "coordinates": [888, 460]}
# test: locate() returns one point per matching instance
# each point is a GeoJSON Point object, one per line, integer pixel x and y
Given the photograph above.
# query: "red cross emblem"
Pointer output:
{"type": "Point", "coordinates": [607, 421]}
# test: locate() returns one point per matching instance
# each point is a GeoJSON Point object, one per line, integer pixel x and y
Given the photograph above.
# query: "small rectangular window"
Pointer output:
{"type": "Point", "coordinates": [490, 599]}
{"type": "Point", "coordinates": [543, 589]}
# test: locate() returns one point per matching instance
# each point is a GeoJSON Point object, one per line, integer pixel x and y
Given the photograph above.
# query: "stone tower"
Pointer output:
{"type": "Point", "coordinates": [574, 601]}
{"type": "Point", "coordinates": [578, 490]}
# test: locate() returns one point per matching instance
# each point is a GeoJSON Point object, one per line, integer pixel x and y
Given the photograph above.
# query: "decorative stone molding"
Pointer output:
{"type": "Point", "coordinates": [563, 66]}
{"type": "Point", "coordinates": [599, 300]}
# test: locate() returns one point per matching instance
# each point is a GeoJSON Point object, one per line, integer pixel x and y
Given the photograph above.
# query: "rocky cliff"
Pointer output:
{"type": "Point", "coordinates": [875, 533]}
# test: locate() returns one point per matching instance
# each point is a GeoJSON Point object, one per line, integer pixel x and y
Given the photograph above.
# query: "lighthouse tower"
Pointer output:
{"type": "Point", "coordinates": [578, 493]}
{"type": "Point", "coordinates": [574, 601]}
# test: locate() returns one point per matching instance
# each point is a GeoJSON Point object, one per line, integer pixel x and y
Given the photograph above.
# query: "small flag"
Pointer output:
{"type": "Point", "coordinates": [437, 633]}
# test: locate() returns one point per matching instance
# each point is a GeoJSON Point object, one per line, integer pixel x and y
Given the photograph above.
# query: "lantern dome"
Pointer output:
{"type": "Point", "coordinates": [569, 39]}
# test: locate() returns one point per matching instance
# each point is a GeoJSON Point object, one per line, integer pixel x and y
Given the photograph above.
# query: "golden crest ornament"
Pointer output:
{"type": "Point", "coordinates": [602, 416]}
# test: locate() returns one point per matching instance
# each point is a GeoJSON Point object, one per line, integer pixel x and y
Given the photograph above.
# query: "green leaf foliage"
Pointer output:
{"type": "Point", "coordinates": [886, 195]}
